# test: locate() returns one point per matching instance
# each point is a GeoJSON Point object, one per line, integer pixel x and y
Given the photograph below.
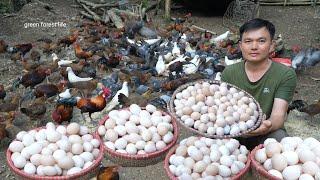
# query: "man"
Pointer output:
{"type": "Point", "coordinates": [270, 83]}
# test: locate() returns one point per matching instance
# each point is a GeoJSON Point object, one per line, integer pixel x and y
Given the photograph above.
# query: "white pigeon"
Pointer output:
{"type": "Point", "coordinates": [193, 66]}
{"type": "Point", "coordinates": [190, 50]}
{"type": "Point", "coordinates": [160, 66]}
{"type": "Point", "coordinates": [65, 94]}
{"type": "Point", "coordinates": [168, 56]}
{"type": "Point", "coordinates": [115, 100]}
{"type": "Point", "coordinates": [221, 37]}
{"type": "Point", "coordinates": [152, 41]}
{"type": "Point", "coordinates": [180, 58]}
{"type": "Point", "coordinates": [63, 62]}
{"type": "Point", "coordinates": [175, 50]}
{"type": "Point", "coordinates": [130, 41]}
{"type": "Point", "coordinates": [54, 57]}
{"type": "Point", "coordinates": [229, 62]}
{"type": "Point", "coordinates": [74, 78]}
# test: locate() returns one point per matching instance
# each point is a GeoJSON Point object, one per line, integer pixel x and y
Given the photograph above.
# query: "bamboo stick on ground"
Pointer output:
{"type": "Point", "coordinates": [115, 19]}
{"type": "Point", "coordinates": [203, 30]}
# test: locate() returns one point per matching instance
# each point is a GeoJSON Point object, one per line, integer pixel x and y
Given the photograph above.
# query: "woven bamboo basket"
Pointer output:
{"type": "Point", "coordinates": [84, 174]}
{"type": "Point", "coordinates": [241, 175]}
{"type": "Point", "coordinates": [258, 171]}
{"type": "Point", "coordinates": [141, 160]}
{"type": "Point", "coordinates": [171, 109]}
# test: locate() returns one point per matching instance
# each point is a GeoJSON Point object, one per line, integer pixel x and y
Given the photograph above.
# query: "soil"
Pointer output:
{"type": "Point", "coordinates": [297, 24]}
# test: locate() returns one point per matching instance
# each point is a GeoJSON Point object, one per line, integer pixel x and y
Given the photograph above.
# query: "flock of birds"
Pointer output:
{"type": "Point", "coordinates": [98, 67]}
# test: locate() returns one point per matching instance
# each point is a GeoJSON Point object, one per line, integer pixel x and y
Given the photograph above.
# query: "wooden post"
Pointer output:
{"type": "Point", "coordinates": [167, 9]}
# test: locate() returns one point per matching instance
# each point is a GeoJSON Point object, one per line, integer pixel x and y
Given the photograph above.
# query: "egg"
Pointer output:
{"type": "Point", "coordinates": [50, 126]}
{"type": "Point", "coordinates": [291, 157]}
{"type": "Point", "coordinates": [19, 161]}
{"type": "Point", "coordinates": [135, 109]}
{"type": "Point", "coordinates": [160, 145]}
{"type": "Point", "coordinates": [110, 124]}
{"type": "Point", "coordinates": [151, 108]}
{"type": "Point", "coordinates": [49, 170]}
{"type": "Point", "coordinates": [111, 135]}
{"type": "Point", "coordinates": [65, 163]}
{"type": "Point", "coordinates": [53, 136]}
{"type": "Point", "coordinates": [140, 144]}
{"type": "Point", "coordinates": [224, 171]}
{"type": "Point", "coordinates": [121, 130]}
{"type": "Point", "coordinates": [260, 155]}
{"type": "Point", "coordinates": [110, 145]}
{"type": "Point", "coordinates": [83, 130]}
{"type": "Point", "coordinates": [275, 173]}
{"type": "Point", "coordinates": [16, 146]}
{"type": "Point", "coordinates": [162, 129]}
{"type": "Point", "coordinates": [64, 145]}
{"type": "Point", "coordinates": [75, 139]}
{"type": "Point", "coordinates": [306, 155]}
{"type": "Point", "coordinates": [46, 151]}
{"type": "Point", "coordinates": [58, 154]}
{"type": "Point", "coordinates": [74, 170]}
{"type": "Point", "coordinates": [167, 138]}
{"type": "Point", "coordinates": [47, 160]}
{"type": "Point", "coordinates": [53, 146]}
{"type": "Point", "coordinates": [87, 137]}
{"type": "Point", "coordinates": [86, 156]}
{"type": "Point", "coordinates": [62, 130]}
{"type": "Point", "coordinates": [306, 177]}
{"type": "Point", "coordinates": [199, 167]}
{"type": "Point", "coordinates": [272, 148]}
{"type": "Point", "coordinates": [194, 153]}
{"type": "Point", "coordinates": [310, 168]}
{"type": "Point", "coordinates": [77, 148]}
{"type": "Point", "coordinates": [292, 172]}
{"type": "Point", "coordinates": [131, 149]}
{"type": "Point", "coordinates": [267, 164]}
{"type": "Point", "coordinates": [278, 162]}
{"type": "Point", "coordinates": [27, 140]}
{"type": "Point", "coordinates": [78, 161]}
{"type": "Point", "coordinates": [101, 130]}
{"type": "Point", "coordinates": [95, 152]}
{"type": "Point", "coordinates": [212, 170]}
{"type": "Point", "coordinates": [120, 143]}
{"type": "Point", "coordinates": [150, 147]}
{"type": "Point", "coordinates": [73, 128]}
{"type": "Point", "coordinates": [20, 135]}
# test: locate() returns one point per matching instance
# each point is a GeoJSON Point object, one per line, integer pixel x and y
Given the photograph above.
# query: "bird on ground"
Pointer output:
{"type": "Point", "coordinates": [74, 78]}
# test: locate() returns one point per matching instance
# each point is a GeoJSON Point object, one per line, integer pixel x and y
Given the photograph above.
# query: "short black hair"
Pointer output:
{"type": "Point", "coordinates": [257, 23]}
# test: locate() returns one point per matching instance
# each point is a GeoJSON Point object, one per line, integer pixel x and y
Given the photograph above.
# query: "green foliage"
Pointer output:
{"type": "Point", "coordinates": [5, 7]}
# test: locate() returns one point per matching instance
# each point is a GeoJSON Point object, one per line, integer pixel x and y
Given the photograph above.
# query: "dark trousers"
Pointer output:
{"type": "Point", "coordinates": [252, 142]}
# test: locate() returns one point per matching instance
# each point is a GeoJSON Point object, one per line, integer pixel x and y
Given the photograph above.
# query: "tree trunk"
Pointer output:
{"type": "Point", "coordinates": [167, 9]}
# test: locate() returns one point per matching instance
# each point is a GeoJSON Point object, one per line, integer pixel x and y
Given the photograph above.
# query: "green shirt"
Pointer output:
{"type": "Point", "coordinates": [278, 82]}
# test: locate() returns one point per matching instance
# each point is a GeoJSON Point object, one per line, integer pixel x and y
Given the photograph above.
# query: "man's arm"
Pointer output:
{"type": "Point", "coordinates": [276, 120]}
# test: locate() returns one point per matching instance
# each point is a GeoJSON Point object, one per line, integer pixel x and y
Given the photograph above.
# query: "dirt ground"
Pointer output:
{"type": "Point", "coordinates": [297, 25]}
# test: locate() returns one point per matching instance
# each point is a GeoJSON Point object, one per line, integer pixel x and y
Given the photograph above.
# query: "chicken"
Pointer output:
{"type": "Point", "coordinates": [74, 78]}
{"type": "Point", "coordinates": [35, 55]}
{"type": "Point", "coordinates": [29, 65]}
{"type": "Point", "coordinates": [23, 48]}
{"type": "Point", "coordinates": [2, 92]}
{"type": "Point", "coordinates": [297, 104]}
{"type": "Point", "coordinates": [312, 109]}
{"type": "Point", "coordinates": [3, 46]}
{"type": "Point", "coordinates": [160, 66]}
{"type": "Point", "coordinates": [68, 40]}
{"type": "Point", "coordinates": [12, 105]}
{"type": "Point", "coordinates": [34, 77]}
{"type": "Point", "coordinates": [306, 58]}
{"type": "Point", "coordinates": [80, 53]}
{"type": "Point", "coordinates": [65, 94]}
{"type": "Point", "coordinates": [3, 132]}
{"type": "Point", "coordinates": [221, 37]}
{"type": "Point", "coordinates": [48, 46]}
{"type": "Point", "coordinates": [108, 173]}
{"type": "Point", "coordinates": [48, 90]}
{"type": "Point", "coordinates": [115, 100]}
{"type": "Point", "coordinates": [193, 66]}
{"type": "Point", "coordinates": [16, 57]}
{"type": "Point", "coordinates": [62, 113]}
{"type": "Point", "coordinates": [85, 87]}
{"type": "Point", "coordinates": [35, 109]}
{"type": "Point", "coordinates": [94, 104]}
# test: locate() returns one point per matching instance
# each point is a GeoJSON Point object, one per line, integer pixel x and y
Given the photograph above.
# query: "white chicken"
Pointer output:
{"type": "Point", "coordinates": [115, 100]}
{"type": "Point", "coordinates": [74, 78]}
{"type": "Point", "coordinates": [229, 62]}
{"type": "Point", "coordinates": [160, 66]}
{"type": "Point", "coordinates": [193, 66]}
{"type": "Point", "coordinates": [221, 37]}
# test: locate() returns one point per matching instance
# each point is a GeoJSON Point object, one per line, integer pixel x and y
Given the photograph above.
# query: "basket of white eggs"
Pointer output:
{"type": "Point", "coordinates": [291, 158]}
{"type": "Point", "coordinates": [201, 157]}
{"type": "Point", "coordinates": [138, 136]}
{"type": "Point", "coordinates": [215, 109]}
{"type": "Point", "coordinates": [55, 152]}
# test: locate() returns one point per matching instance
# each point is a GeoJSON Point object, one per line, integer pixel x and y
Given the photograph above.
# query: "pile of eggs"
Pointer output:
{"type": "Point", "coordinates": [54, 151]}
{"type": "Point", "coordinates": [137, 131]}
{"type": "Point", "coordinates": [216, 110]}
{"type": "Point", "coordinates": [200, 157]}
{"type": "Point", "coordinates": [292, 158]}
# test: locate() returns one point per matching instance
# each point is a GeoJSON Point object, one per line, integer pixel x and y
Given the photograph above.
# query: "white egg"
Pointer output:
{"type": "Point", "coordinates": [20, 135]}
{"type": "Point", "coordinates": [77, 148]}
{"type": "Point", "coordinates": [124, 114]}
{"type": "Point", "coordinates": [62, 130]}
{"type": "Point", "coordinates": [25, 153]}
{"type": "Point", "coordinates": [101, 130]}
{"type": "Point", "coordinates": [140, 144]}
{"type": "Point", "coordinates": [272, 148]}
{"type": "Point", "coordinates": [95, 152]}
{"type": "Point", "coordinates": [168, 137]}
{"type": "Point", "coordinates": [87, 137]}
{"type": "Point", "coordinates": [224, 171]}
{"type": "Point", "coordinates": [135, 109]}
{"type": "Point", "coordinates": [121, 130]}
{"type": "Point", "coordinates": [19, 162]}
{"type": "Point", "coordinates": [46, 151]}
{"type": "Point", "coordinates": [226, 160]}
{"type": "Point", "coordinates": [160, 145]}
{"type": "Point", "coordinates": [73, 128]}
{"type": "Point", "coordinates": [260, 155]}
{"type": "Point", "coordinates": [145, 121]}
{"type": "Point", "coordinates": [156, 137]}
{"type": "Point", "coordinates": [58, 169]}
{"type": "Point", "coordinates": [150, 147]}
{"type": "Point", "coordinates": [87, 146]}
{"type": "Point", "coordinates": [310, 167]}
{"type": "Point", "coordinates": [291, 157]}
{"type": "Point", "coordinates": [110, 124]}
{"type": "Point", "coordinates": [27, 140]}
{"type": "Point", "coordinates": [50, 126]}
{"type": "Point", "coordinates": [151, 108]}
{"type": "Point", "coordinates": [146, 135]}
{"type": "Point", "coordinates": [73, 170]}
{"type": "Point", "coordinates": [267, 164]}
{"type": "Point", "coordinates": [292, 172]}
{"type": "Point", "coordinates": [131, 149]}
{"type": "Point", "coordinates": [40, 170]}
{"type": "Point", "coordinates": [83, 130]}
{"type": "Point", "coordinates": [53, 146]}
{"type": "Point", "coordinates": [275, 173]}
{"type": "Point", "coordinates": [65, 163]}
{"type": "Point", "coordinates": [47, 160]}
{"type": "Point", "coordinates": [110, 145]}
{"type": "Point", "coordinates": [78, 161]}
{"type": "Point", "coordinates": [58, 154]}
{"type": "Point", "coordinates": [41, 135]}
{"type": "Point", "coordinates": [131, 127]}
{"type": "Point", "coordinates": [53, 136]}
{"type": "Point", "coordinates": [199, 167]}
{"type": "Point", "coordinates": [86, 156]}
{"type": "Point", "coordinates": [95, 143]}
{"type": "Point", "coordinates": [49, 170]}
{"type": "Point", "coordinates": [306, 155]}
{"type": "Point", "coordinates": [16, 146]}
{"type": "Point", "coordinates": [120, 143]}
{"type": "Point", "coordinates": [75, 139]}
{"type": "Point", "coordinates": [87, 164]}
{"type": "Point", "coordinates": [306, 177]}
{"type": "Point", "coordinates": [64, 145]}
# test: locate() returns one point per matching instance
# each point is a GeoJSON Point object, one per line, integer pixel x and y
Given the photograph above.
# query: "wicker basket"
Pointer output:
{"type": "Point", "coordinates": [258, 170]}
{"type": "Point", "coordinates": [173, 113]}
{"type": "Point", "coordinates": [240, 175]}
{"type": "Point", "coordinates": [141, 159]}
{"type": "Point", "coordinates": [84, 174]}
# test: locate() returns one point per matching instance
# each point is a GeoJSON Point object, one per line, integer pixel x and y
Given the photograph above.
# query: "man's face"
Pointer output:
{"type": "Point", "coordinates": [256, 45]}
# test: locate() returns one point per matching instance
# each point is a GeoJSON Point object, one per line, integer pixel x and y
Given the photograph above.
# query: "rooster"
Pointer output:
{"type": "Point", "coordinates": [115, 100]}
{"type": "Point", "coordinates": [94, 104]}
{"type": "Point", "coordinates": [62, 113]}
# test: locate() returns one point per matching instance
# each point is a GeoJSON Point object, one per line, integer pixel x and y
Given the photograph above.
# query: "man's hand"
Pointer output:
{"type": "Point", "coordinates": [264, 128]}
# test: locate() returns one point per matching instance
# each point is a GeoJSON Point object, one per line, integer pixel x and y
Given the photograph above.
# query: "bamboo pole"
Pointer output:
{"type": "Point", "coordinates": [167, 9]}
